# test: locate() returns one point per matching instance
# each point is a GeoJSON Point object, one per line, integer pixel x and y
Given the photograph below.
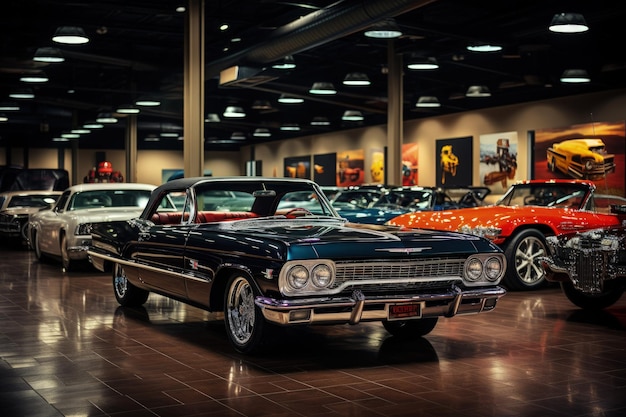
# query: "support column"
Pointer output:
{"type": "Point", "coordinates": [131, 148]}
{"type": "Point", "coordinates": [193, 145]}
{"type": "Point", "coordinates": [395, 118]}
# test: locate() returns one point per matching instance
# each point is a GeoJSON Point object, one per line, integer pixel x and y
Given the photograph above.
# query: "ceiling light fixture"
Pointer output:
{"type": "Point", "coordinates": [127, 109]}
{"type": "Point", "coordinates": [385, 29]}
{"type": "Point", "coordinates": [69, 135]}
{"type": "Point", "coordinates": [417, 62]}
{"type": "Point", "coordinates": [106, 118]}
{"type": "Point", "coordinates": [262, 132]}
{"type": "Point", "coordinates": [356, 79]}
{"type": "Point", "coordinates": [320, 121]}
{"type": "Point", "coordinates": [169, 134]}
{"type": "Point", "coordinates": [38, 77]}
{"type": "Point", "coordinates": [48, 54]}
{"type": "Point", "coordinates": [234, 112]}
{"type": "Point", "coordinates": [152, 138]}
{"type": "Point", "coordinates": [287, 63]}
{"type": "Point", "coordinates": [72, 35]}
{"type": "Point", "coordinates": [575, 76]}
{"type": "Point", "coordinates": [323, 88]}
{"type": "Point", "coordinates": [287, 99]}
{"type": "Point", "coordinates": [352, 116]}
{"type": "Point", "coordinates": [80, 131]}
{"type": "Point", "coordinates": [60, 140]}
{"type": "Point", "coordinates": [9, 106]}
{"type": "Point", "coordinates": [428, 101]}
{"type": "Point", "coordinates": [23, 94]}
{"type": "Point", "coordinates": [92, 124]}
{"type": "Point", "coordinates": [484, 48]}
{"type": "Point", "coordinates": [3, 117]}
{"type": "Point", "coordinates": [148, 102]}
{"type": "Point", "coordinates": [290, 127]}
{"type": "Point", "coordinates": [262, 105]}
{"type": "Point", "coordinates": [478, 91]}
{"type": "Point", "coordinates": [212, 118]}
{"type": "Point", "coordinates": [568, 23]}
{"type": "Point", "coordinates": [238, 136]}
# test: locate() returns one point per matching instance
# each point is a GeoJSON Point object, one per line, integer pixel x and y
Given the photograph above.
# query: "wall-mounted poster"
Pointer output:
{"type": "Point", "coordinates": [454, 162]}
{"type": "Point", "coordinates": [350, 165]}
{"type": "Point", "coordinates": [593, 151]}
{"type": "Point", "coordinates": [298, 167]}
{"type": "Point", "coordinates": [377, 167]}
{"type": "Point", "coordinates": [409, 164]}
{"type": "Point", "coordinates": [498, 161]}
{"type": "Point", "coordinates": [325, 169]}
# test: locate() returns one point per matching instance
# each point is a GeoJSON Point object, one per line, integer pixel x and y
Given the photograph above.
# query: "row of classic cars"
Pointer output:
{"type": "Point", "coordinates": [267, 262]}
{"type": "Point", "coordinates": [269, 251]}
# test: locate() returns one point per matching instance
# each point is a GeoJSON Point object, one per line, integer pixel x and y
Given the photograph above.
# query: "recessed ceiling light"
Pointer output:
{"type": "Point", "coordinates": [484, 48]}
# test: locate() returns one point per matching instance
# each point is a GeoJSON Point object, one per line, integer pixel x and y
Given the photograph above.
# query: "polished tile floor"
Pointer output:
{"type": "Point", "coordinates": [68, 349]}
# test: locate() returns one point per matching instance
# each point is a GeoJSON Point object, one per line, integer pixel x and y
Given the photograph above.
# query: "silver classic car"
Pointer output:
{"type": "Point", "coordinates": [262, 264]}
{"type": "Point", "coordinates": [16, 208]}
{"type": "Point", "coordinates": [65, 230]}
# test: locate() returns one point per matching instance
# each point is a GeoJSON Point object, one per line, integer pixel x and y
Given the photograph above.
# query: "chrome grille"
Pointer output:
{"type": "Point", "coordinates": [397, 275]}
{"type": "Point", "coordinates": [589, 270]}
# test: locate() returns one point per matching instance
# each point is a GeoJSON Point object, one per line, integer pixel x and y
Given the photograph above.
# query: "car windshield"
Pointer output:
{"type": "Point", "coordinates": [33, 200]}
{"type": "Point", "coordinates": [409, 199]}
{"type": "Point", "coordinates": [109, 198]}
{"type": "Point", "coordinates": [546, 195]}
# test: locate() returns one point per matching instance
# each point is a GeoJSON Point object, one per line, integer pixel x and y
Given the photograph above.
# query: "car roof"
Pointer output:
{"type": "Point", "coordinates": [110, 186]}
{"type": "Point", "coordinates": [187, 182]}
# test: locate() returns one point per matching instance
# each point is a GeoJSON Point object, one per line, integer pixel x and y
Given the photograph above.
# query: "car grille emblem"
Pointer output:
{"type": "Point", "coordinates": [403, 250]}
{"type": "Point", "coordinates": [193, 264]}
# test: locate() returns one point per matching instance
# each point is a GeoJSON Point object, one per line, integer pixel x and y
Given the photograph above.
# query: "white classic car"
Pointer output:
{"type": "Point", "coordinates": [65, 230]}
{"type": "Point", "coordinates": [16, 208]}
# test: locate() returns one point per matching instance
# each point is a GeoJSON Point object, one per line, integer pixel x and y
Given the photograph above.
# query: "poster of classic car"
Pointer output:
{"type": "Point", "coordinates": [263, 266]}
{"type": "Point", "coordinates": [498, 161]}
{"type": "Point", "coordinates": [594, 151]}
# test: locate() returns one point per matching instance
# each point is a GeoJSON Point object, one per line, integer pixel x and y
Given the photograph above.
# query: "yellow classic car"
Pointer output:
{"type": "Point", "coordinates": [584, 158]}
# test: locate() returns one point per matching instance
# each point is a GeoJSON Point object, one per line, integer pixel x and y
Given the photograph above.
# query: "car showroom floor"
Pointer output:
{"type": "Point", "coordinates": [67, 348]}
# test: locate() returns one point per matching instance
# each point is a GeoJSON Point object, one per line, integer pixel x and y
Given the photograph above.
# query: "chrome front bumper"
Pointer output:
{"type": "Point", "coordinates": [359, 308]}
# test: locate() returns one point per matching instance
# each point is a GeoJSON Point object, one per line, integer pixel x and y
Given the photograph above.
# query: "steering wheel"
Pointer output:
{"type": "Point", "coordinates": [297, 212]}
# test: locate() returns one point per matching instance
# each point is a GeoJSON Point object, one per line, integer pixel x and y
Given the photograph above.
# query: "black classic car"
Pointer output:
{"type": "Point", "coordinates": [263, 265]}
{"type": "Point", "coordinates": [590, 266]}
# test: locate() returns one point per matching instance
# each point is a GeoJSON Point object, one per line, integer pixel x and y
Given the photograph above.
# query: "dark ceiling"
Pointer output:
{"type": "Point", "coordinates": [136, 48]}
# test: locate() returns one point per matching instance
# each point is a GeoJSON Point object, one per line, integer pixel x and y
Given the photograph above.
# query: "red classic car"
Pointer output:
{"type": "Point", "coordinates": [520, 221]}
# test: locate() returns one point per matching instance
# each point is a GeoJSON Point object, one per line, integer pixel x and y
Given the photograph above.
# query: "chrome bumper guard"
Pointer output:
{"type": "Point", "coordinates": [359, 308]}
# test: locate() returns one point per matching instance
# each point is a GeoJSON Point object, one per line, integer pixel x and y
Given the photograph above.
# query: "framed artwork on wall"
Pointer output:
{"type": "Point", "coordinates": [350, 168]}
{"type": "Point", "coordinates": [454, 162]}
{"type": "Point", "coordinates": [377, 167]}
{"type": "Point", "coordinates": [409, 164]}
{"type": "Point", "coordinates": [593, 151]}
{"type": "Point", "coordinates": [498, 161]}
{"type": "Point", "coordinates": [325, 169]}
{"type": "Point", "coordinates": [298, 167]}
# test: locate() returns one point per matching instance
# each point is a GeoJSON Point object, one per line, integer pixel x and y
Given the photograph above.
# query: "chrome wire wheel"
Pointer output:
{"type": "Point", "coordinates": [120, 282]}
{"type": "Point", "coordinates": [241, 311]}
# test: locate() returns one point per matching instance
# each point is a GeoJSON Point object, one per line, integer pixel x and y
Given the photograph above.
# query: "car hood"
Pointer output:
{"type": "Point", "coordinates": [506, 218]}
{"type": "Point", "coordinates": [306, 239]}
{"type": "Point", "coordinates": [100, 215]}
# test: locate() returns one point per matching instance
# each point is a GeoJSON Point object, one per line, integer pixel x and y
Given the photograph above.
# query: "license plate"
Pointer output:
{"type": "Point", "coordinates": [402, 311]}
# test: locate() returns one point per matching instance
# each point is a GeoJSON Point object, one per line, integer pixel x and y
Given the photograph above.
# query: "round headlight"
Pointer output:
{"type": "Point", "coordinates": [493, 268]}
{"type": "Point", "coordinates": [298, 277]}
{"type": "Point", "coordinates": [321, 276]}
{"type": "Point", "coordinates": [473, 269]}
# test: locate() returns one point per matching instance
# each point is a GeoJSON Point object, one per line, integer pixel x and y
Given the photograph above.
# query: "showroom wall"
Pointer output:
{"type": "Point", "coordinates": [521, 118]}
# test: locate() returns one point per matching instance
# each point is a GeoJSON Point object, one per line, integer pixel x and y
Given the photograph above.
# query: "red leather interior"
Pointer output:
{"type": "Point", "coordinates": [202, 217]}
